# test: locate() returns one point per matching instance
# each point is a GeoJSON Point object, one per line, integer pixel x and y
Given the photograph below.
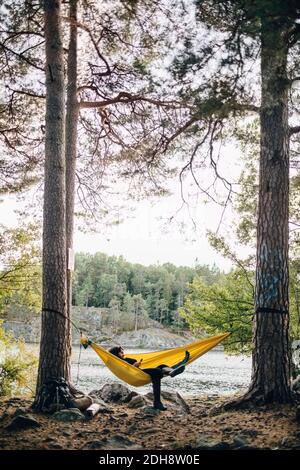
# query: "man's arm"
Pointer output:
{"type": "Point", "coordinates": [132, 361]}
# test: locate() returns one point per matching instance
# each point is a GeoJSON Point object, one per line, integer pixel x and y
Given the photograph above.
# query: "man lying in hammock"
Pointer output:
{"type": "Point", "coordinates": [156, 373]}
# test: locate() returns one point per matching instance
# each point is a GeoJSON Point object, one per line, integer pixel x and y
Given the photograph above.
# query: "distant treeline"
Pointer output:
{"type": "Point", "coordinates": [134, 290]}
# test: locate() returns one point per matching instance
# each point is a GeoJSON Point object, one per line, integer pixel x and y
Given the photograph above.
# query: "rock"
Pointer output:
{"type": "Point", "coordinates": [71, 414]}
{"type": "Point", "coordinates": [138, 402]}
{"type": "Point", "coordinates": [215, 410]}
{"type": "Point", "coordinates": [249, 433]}
{"type": "Point", "coordinates": [48, 439]}
{"type": "Point", "coordinates": [228, 429]}
{"type": "Point", "coordinates": [55, 445]}
{"type": "Point", "coordinates": [152, 338]}
{"type": "Point", "coordinates": [132, 428]}
{"type": "Point", "coordinates": [120, 442]}
{"type": "Point", "coordinates": [4, 416]}
{"type": "Point", "coordinates": [25, 421]}
{"type": "Point", "coordinates": [14, 400]}
{"type": "Point", "coordinates": [239, 441]}
{"type": "Point", "coordinates": [291, 442]}
{"type": "Point", "coordinates": [222, 445]}
{"type": "Point", "coordinates": [97, 444]}
{"type": "Point", "coordinates": [3, 443]}
{"type": "Point", "coordinates": [175, 399]}
{"type": "Point", "coordinates": [116, 442]}
{"type": "Point", "coordinates": [178, 399]}
{"type": "Point", "coordinates": [56, 407]}
{"type": "Point", "coordinates": [296, 384]}
{"type": "Point", "coordinates": [114, 392]}
{"type": "Point", "coordinates": [152, 335]}
{"type": "Point", "coordinates": [248, 447]}
{"type": "Point", "coordinates": [20, 411]}
{"type": "Point", "coordinates": [205, 443]}
{"type": "Point", "coordinates": [148, 412]}
{"type": "Point", "coordinates": [145, 432]}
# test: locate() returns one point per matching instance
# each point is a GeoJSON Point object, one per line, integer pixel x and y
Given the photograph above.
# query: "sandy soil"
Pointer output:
{"type": "Point", "coordinates": [270, 426]}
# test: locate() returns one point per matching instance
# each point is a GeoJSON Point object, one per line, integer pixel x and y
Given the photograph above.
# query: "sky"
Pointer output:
{"type": "Point", "coordinates": [144, 239]}
{"type": "Point", "coordinates": [147, 237]}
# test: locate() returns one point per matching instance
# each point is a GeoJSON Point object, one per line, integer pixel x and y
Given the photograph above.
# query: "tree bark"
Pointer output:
{"type": "Point", "coordinates": [271, 349]}
{"type": "Point", "coordinates": [71, 141]}
{"type": "Point", "coordinates": [55, 337]}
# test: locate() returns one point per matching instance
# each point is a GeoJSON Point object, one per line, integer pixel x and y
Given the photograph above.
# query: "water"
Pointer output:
{"type": "Point", "coordinates": [215, 373]}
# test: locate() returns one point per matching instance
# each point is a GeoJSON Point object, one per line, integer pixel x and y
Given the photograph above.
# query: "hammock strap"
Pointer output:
{"type": "Point", "coordinates": [45, 309]}
{"type": "Point", "coordinates": [78, 363]}
{"type": "Point", "coordinates": [271, 310]}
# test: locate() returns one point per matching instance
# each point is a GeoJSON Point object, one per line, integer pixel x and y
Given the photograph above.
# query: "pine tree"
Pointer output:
{"type": "Point", "coordinates": [237, 32]}
{"type": "Point", "coordinates": [55, 347]}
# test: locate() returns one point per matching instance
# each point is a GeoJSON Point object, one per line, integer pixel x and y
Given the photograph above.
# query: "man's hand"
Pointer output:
{"type": "Point", "coordinates": [137, 364]}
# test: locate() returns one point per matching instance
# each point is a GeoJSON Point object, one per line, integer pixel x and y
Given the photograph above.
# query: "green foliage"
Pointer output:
{"type": "Point", "coordinates": [225, 306]}
{"type": "Point", "coordinates": [295, 299]}
{"type": "Point", "coordinates": [17, 366]}
{"type": "Point", "coordinates": [132, 290]}
{"type": "Point", "coordinates": [20, 274]}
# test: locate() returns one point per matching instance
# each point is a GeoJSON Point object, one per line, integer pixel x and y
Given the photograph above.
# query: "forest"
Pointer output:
{"type": "Point", "coordinates": [107, 104]}
{"type": "Point", "coordinates": [156, 291]}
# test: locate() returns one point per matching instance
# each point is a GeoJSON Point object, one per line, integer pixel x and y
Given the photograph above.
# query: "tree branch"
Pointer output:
{"type": "Point", "coordinates": [294, 130]}
{"type": "Point", "coordinates": [26, 92]}
{"type": "Point", "coordinates": [21, 56]}
{"type": "Point", "coordinates": [126, 98]}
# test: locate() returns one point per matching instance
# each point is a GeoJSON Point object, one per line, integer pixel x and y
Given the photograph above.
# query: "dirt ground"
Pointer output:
{"type": "Point", "coordinates": [272, 427]}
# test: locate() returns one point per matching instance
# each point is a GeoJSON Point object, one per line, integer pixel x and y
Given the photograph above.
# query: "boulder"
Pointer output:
{"type": "Point", "coordinates": [147, 412]}
{"type": "Point", "coordinates": [249, 433]}
{"type": "Point", "coordinates": [207, 443]}
{"type": "Point", "coordinates": [71, 414]}
{"type": "Point", "coordinates": [296, 384]}
{"type": "Point", "coordinates": [175, 399]}
{"type": "Point", "coordinates": [291, 442]}
{"type": "Point", "coordinates": [138, 401]}
{"type": "Point", "coordinates": [22, 421]}
{"type": "Point", "coordinates": [113, 393]}
{"type": "Point", "coordinates": [117, 442]}
{"type": "Point", "coordinates": [20, 411]}
{"type": "Point", "coordinates": [239, 441]}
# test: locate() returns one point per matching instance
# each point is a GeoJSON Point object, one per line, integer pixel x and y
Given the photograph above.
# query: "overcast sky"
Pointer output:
{"type": "Point", "coordinates": [145, 237]}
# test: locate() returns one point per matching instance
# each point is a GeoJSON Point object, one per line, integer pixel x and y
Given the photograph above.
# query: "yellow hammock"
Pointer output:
{"type": "Point", "coordinates": [135, 376]}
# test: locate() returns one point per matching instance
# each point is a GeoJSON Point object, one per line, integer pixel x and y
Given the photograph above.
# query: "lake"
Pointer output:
{"type": "Point", "coordinates": [215, 373]}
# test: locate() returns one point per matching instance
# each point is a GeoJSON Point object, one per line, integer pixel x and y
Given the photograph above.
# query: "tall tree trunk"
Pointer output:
{"type": "Point", "coordinates": [55, 338]}
{"type": "Point", "coordinates": [71, 143]}
{"type": "Point", "coordinates": [271, 350]}
{"type": "Point", "coordinates": [136, 317]}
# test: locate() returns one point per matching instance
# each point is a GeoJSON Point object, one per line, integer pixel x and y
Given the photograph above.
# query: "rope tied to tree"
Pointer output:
{"type": "Point", "coordinates": [271, 310]}
{"type": "Point", "coordinates": [79, 329]}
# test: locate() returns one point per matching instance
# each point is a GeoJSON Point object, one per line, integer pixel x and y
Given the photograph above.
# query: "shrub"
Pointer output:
{"type": "Point", "coordinates": [17, 366]}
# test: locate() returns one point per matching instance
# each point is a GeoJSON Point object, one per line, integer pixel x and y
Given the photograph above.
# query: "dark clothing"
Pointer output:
{"type": "Point", "coordinates": [156, 375]}
{"type": "Point", "coordinates": [129, 360]}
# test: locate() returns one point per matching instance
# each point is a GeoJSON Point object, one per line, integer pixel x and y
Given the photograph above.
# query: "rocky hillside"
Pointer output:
{"type": "Point", "coordinates": [156, 338]}
{"type": "Point", "coordinates": [93, 322]}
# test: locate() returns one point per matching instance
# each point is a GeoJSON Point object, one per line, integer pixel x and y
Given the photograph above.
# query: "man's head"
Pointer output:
{"type": "Point", "coordinates": [117, 351]}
